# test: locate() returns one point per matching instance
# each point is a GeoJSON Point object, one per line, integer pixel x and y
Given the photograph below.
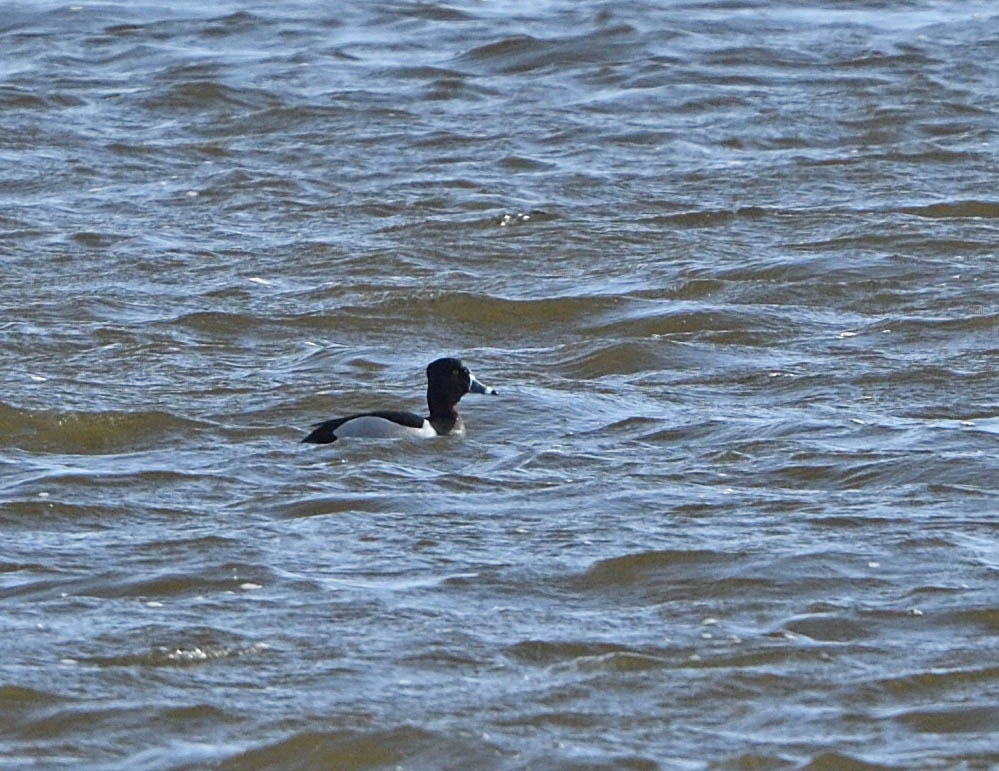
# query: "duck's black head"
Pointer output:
{"type": "Point", "coordinates": [447, 381]}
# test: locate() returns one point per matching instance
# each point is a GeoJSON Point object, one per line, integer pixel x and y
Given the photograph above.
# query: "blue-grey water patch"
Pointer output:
{"type": "Point", "coordinates": [730, 265]}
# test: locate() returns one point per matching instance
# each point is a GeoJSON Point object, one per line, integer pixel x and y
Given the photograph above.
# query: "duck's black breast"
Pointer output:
{"type": "Point", "coordinates": [324, 433]}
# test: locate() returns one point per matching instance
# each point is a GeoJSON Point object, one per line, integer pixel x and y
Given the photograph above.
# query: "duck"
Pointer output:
{"type": "Point", "coordinates": [447, 381]}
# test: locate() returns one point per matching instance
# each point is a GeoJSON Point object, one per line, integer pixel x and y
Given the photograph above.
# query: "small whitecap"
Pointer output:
{"type": "Point", "coordinates": [510, 219]}
{"type": "Point", "coordinates": [192, 654]}
{"type": "Point", "coordinates": [43, 495]}
{"type": "Point", "coordinates": [915, 612]}
{"type": "Point", "coordinates": [709, 621]}
{"type": "Point", "coordinates": [842, 335]}
{"type": "Point", "coordinates": [262, 281]}
{"type": "Point", "coordinates": [192, 194]}
{"type": "Point", "coordinates": [154, 604]}
{"type": "Point", "coordinates": [873, 564]}
{"type": "Point", "coordinates": [37, 378]}
{"type": "Point", "coordinates": [249, 587]}
{"type": "Point", "coordinates": [858, 421]}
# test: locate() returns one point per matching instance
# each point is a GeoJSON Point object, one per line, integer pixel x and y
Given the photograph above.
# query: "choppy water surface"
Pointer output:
{"type": "Point", "coordinates": [730, 265]}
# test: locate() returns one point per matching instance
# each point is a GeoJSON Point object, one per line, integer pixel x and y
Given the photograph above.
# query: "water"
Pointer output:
{"type": "Point", "coordinates": [730, 265]}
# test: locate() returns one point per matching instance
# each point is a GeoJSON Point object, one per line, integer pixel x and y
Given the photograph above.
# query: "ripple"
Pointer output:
{"type": "Point", "coordinates": [830, 761]}
{"type": "Point", "coordinates": [827, 628]}
{"type": "Point", "coordinates": [956, 210]}
{"type": "Point", "coordinates": [17, 699]}
{"type": "Point", "coordinates": [359, 750]}
{"type": "Point", "coordinates": [86, 433]}
{"type": "Point", "coordinates": [970, 719]}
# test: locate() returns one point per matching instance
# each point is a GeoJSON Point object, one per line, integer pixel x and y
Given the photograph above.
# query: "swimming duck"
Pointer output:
{"type": "Point", "coordinates": [447, 381]}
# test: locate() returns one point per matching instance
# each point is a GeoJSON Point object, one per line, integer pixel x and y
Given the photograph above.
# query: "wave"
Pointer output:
{"type": "Point", "coordinates": [356, 749]}
{"type": "Point", "coordinates": [90, 433]}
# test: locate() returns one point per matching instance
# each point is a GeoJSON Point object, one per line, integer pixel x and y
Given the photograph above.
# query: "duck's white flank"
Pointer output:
{"type": "Point", "coordinates": [371, 427]}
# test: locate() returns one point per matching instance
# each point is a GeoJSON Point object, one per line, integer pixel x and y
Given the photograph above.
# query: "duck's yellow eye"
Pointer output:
{"type": "Point", "coordinates": [456, 372]}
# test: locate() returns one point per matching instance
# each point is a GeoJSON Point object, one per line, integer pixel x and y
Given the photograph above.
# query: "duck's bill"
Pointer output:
{"type": "Point", "coordinates": [475, 387]}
